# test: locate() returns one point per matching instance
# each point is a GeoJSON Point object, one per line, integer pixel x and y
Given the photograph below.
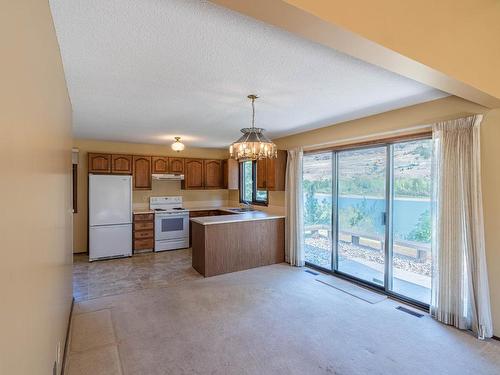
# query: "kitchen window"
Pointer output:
{"type": "Point", "coordinates": [249, 193]}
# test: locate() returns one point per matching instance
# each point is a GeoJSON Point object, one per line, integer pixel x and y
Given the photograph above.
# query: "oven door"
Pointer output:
{"type": "Point", "coordinates": [171, 226]}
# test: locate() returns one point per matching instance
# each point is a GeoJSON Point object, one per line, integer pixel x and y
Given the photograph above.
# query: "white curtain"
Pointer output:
{"type": "Point", "coordinates": [460, 291]}
{"type": "Point", "coordinates": [294, 222]}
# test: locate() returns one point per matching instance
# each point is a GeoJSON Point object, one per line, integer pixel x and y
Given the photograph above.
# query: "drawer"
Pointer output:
{"type": "Point", "coordinates": [143, 234]}
{"type": "Point", "coordinates": [143, 225]}
{"type": "Point", "coordinates": [144, 217]}
{"type": "Point", "coordinates": [147, 243]}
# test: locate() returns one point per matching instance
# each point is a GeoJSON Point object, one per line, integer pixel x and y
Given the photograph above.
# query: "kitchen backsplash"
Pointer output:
{"type": "Point", "coordinates": [191, 198]}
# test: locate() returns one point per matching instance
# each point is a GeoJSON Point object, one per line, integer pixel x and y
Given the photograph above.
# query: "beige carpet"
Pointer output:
{"type": "Point", "coordinates": [269, 320]}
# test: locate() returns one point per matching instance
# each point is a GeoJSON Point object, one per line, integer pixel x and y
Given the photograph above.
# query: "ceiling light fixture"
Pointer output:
{"type": "Point", "coordinates": [177, 145]}
{"type": "Point", "coordinates": [253, 144]}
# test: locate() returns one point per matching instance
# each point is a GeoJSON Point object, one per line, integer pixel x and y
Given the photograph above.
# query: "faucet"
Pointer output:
{"type": "Point", "coordinates": [246, 205]}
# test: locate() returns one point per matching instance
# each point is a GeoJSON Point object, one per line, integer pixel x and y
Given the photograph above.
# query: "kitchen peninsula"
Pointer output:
{"type": "Point", "coordinates": [229, 243]}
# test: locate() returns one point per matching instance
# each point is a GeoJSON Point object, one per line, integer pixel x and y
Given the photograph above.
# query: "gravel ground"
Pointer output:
{"type": "Point", "coordinates": [318, 252]}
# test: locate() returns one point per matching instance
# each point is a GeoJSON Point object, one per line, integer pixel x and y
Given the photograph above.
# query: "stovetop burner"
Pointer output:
{"type": "Point", "coordinates": [166, 204]}
{"type": "Point", "coordinates": [170, 209]}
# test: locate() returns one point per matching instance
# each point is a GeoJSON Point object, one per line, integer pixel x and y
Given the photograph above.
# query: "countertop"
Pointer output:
{"type": "Point", "coordinates": [235, 218]}
{"type": "Point", "coordinates": [148, 211]}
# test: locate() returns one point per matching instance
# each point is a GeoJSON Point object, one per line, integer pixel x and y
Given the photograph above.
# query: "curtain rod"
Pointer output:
{"type": "Point", "coordinates": [366, 137]}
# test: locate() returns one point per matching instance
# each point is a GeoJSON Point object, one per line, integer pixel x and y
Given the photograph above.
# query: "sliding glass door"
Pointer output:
{"type": "Point", "coordinates": [318, 198]}
{"type": "Point", "coordinates": [367, 215]}
{"type": "Point", "coordinates": [361, 181]}
{"type": "Point", "coordinates": [412, 227]}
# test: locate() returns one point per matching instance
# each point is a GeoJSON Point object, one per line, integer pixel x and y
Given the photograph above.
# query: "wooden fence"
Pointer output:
{"type": "Point", "coordinates": [418, 250]}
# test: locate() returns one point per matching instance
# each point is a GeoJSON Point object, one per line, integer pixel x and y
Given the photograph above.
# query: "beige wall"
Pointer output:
{"type": "Point", "coordinates": [388, 122]}
{"type": "Point", "coordinates": [35, 188]}
{"type": "Point", "coordinates": [141, 198]}
{"type": "Point", "coordinates": [490, 139]}
{"type": "Point", "coordinates": [395, 122]}
{"type": "Point", "coordinates": [457, 38]}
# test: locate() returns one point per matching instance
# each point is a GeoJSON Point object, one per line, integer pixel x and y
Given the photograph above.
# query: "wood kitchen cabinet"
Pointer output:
{"type": "Point", "coordinates": [164, 164]}
{"type": "Point", "coordinates": [99, 163]}
{"type": "Point", "coordinates": [271, 172]}
{"type": "Point", "coordinates": [107, 163]}
{"type": "Point", "coordinates": [261, 174]}
{"type": "Point", "coordinates": [143, 232]}
{"type": "Point", "coordinates": [230, 174]}
{"type": "Point", "coordinates": [212, 174]}
{"type": "Point", "coordinates": [202, 213]}
{"type": "Point", "coordinates": [198, 173]}
{"type": "Point", "coordinates": [176, 165]}
{"type": "Point", "coordinates": [193, 174]}
{"type": "Point", "coordinates": [230, 247]}
{"type": "Point", "coordinates": [202, 174]}
{"type": "Point", "coordinates": [142, 172]}
{"type": "Point", "coordinates": [121, 164]}
{"type": "Point", "coordinates": [160, 164]}
{"type": "Point", "coordinates": [276, 171]}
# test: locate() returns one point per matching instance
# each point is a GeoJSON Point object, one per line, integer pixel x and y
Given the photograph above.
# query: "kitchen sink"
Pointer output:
{"type": "Point", "coordinates": [240, 209]}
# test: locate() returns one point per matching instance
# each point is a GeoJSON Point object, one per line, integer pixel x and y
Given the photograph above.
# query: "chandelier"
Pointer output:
{"type": "Point", "coordinates": [253, 144]}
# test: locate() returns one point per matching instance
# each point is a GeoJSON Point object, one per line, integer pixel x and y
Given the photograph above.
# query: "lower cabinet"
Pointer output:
{"type": "Point", "coordinates": [201, 214]}
{"type": "Point", "coordinates": [144, 232]}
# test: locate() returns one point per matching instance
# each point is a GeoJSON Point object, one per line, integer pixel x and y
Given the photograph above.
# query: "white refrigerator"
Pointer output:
{"type": "Point", "coordinates": [110, 216]}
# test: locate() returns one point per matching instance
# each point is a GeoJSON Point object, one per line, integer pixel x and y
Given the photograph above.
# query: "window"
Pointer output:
{"type": "Point", "coordinates": [249, 189]}
{"type": "Point", "coordinates": [367, 215]}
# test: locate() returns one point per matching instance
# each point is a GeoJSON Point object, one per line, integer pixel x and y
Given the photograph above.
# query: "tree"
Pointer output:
{"type": "Point", "coordinates": [423, 229]}
{"type": "Point", "coordinates": [311, 205]}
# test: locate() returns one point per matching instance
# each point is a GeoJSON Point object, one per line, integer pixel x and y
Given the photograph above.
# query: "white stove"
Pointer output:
{"type": "Point", "coordinates": [171, 223]}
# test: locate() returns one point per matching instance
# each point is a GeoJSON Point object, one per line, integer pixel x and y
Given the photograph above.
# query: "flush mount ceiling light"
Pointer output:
{"type": "Point", "coordinates": [253, 144]}
{"type": "Point", "coordinates": [177, 145]}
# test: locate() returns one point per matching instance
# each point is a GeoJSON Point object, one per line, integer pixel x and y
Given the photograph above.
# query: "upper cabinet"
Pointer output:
{"type": "Point", "coordinates": [193, 174]}
{"type": "Point", "coordinates": [163, 164]}
{"type": "Point", "coordinates": [198, 173]}
{"type": "Point", "coordinates": [160, 164]}
{"type": "Point", "coordinates": [176, 165]}
{"type": "Point", "coordinates": [271, 172]}
{"type": "Point", "coordinates": [142, 172]}
{"type": "Point", "coordinates": [262, 174]}
{"type": "Point", "coordinates": [212, 174]}
{"type": "Point", "coordinates": [275, 172]}
{"type": "Point", "coordinates": [99, 163]}
{"type": "Point", "coordinates": [230, 174]}
{"type": "Point", "coordinates": [121, 164]}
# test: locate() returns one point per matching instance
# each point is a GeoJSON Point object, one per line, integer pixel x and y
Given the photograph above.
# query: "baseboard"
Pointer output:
{"type": "Point", "coordinates": [66, 344]}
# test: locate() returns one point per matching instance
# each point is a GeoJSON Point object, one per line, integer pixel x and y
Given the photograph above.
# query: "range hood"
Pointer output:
{"type": "Point", "coordinates": [168, 176]}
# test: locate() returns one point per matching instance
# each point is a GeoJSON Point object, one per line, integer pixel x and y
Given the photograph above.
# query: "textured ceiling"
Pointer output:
{"type": "Point", "coordinates": [149, 70]}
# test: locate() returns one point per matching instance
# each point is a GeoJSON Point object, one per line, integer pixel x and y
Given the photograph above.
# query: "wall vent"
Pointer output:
{"type": "Point", "coordinates": [408, 311]}
{"type": "Point", "coordinates": [312, 272]}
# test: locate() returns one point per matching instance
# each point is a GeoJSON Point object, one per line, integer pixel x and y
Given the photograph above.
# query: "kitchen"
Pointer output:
{"type": "Point", "coordinates": [167, 189]}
